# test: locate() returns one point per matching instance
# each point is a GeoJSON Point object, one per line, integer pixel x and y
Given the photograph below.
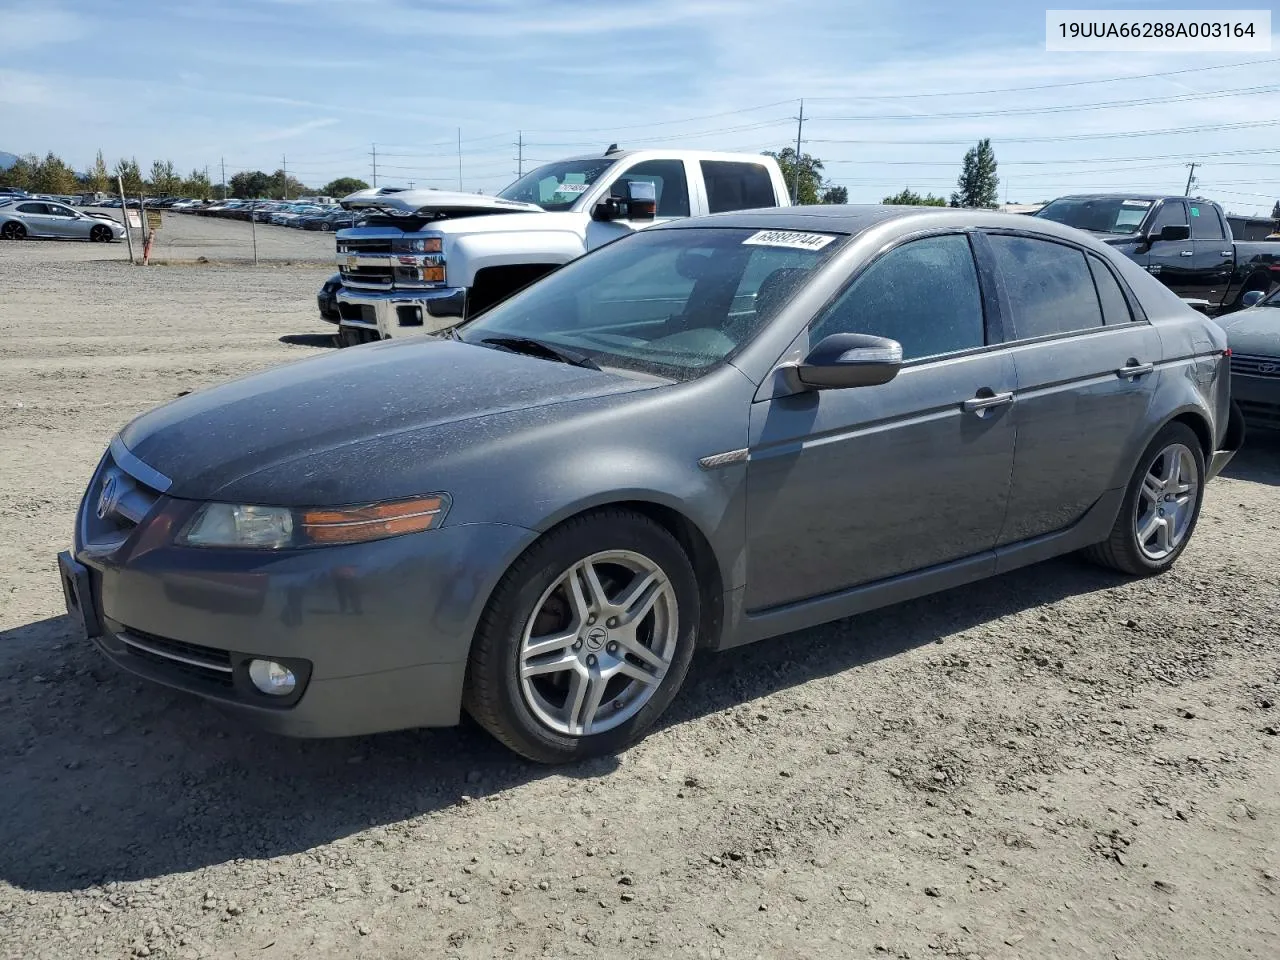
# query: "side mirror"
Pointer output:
{"type": "Point", "coordinates": [629, 200]}
{"type": "Point", "coordinates": [1171, 232]}
{"type": "Point", "coordinates": [848, 360]}
{"type": "Point", "coordinates": [1252, 298]}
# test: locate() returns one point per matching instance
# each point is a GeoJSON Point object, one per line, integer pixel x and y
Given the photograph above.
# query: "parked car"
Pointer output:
{"type": "Point", "coordinates": [708, 433]}
{"type": "Point", "coordinates": [1254, 337]}
{"type": "Point", "coordinates": [40, 218]}
{"type": "Point", "coordinates": [329, 220]}
{"type": "Point", "coordinates": [327, 298]}
{"type": "Point", "coordinates": [1186, 242]}
{"type": "Point", "coordinates": [428, 257]}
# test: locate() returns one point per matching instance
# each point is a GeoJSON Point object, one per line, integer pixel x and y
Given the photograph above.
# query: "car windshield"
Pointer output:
{"type": "Point", "coordinates": [557, 186]}
{"type": "Point", "coordinates": [673, 303]}
{"type": "Point", "coordinates": [1098, 214]}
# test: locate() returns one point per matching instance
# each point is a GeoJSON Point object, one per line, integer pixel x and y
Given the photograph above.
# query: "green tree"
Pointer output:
{"type": "Point", "coordinates": [197, 186]}
{"type": "Point", "coordinates": [131, 174]}
{"type": "Point", "coordinates": [978, 183]}
{"type": "Point", "coordinates": [343, 186]}
{"type": "Point", "coordinates": [248, 184]}
{"type": "Point", "coordinates": [810, 173]}
{"type": "Point", "coordinates": [21, 174]}
{"type": "Point", "coordinates": [164, 178]}
{"type": "Point", "coordinates": [51, 175]}
{"type": "Point", "coordinates": [835, 195]}
{"type": "Point", "coordinates": [287, 188]}
{"type": "Point", "coordinates": [909, 198]}
{"type": "Point", "coordinates": [99, 177]}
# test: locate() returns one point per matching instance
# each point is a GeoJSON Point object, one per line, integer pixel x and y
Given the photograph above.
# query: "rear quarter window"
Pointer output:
{"type": "Point", "coordinates": [735, 185]}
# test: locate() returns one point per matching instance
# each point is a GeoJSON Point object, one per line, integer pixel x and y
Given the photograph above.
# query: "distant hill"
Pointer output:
{"type": "Point", "coordinates": [7, 160]}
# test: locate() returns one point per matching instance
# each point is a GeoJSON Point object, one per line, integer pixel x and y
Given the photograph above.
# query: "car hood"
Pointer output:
{"type": "Point", "coordinates": [1254, 332]}
{"type": "Point", "coordinates": [404, 388]}
{"type": "Point", "coordinates": [428, 202]}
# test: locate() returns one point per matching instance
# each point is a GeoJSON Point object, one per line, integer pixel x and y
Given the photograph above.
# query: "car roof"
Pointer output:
{"type": "Point", "coordinates": [856, 218]}
{"type": "Point", "coordinates": [1118, 196]}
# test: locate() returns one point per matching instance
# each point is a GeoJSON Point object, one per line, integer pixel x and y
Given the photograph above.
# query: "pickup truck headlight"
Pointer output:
{"type": "Point", "coordinates": [418, 245]}
{"type": "Point", "coordinates": [247, 526]}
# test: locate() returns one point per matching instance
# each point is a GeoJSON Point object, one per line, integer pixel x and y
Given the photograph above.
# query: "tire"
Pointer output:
{"type": "Point", "coordinates": [13, 231]}
{"type": "Point", "coordinates": [100, 234]}
{"type": "Point", "coordinates": [324, 227]}
{"type": "Point", "coordinates": [1151, 532]}
{"type": "Point", "coordinates": [587, 656]}
{"type": "Point", "coordinates": [349, 337]}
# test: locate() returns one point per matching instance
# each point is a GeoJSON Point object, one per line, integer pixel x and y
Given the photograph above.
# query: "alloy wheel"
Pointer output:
{"type": "Point", "coordinates": [1166, 503]}
{"type": "Point", "coordinates": [12, 231]}
{"type": "Point", "coordinates": [598, 643]}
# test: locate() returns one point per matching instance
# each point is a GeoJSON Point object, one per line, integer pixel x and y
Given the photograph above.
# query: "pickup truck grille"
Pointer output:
{"type": "Point", "coordinates": [370, 245]}
{"type": "Point", "coordinates": [1247, 366]}
{"type": "Point", "coordinates": [378, 277]}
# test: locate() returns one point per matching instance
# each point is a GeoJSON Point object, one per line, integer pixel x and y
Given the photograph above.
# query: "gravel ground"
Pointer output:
{"type": "Point", "coordinates": [1057, 763]}
{"type": "Point", "coordinates": [184, 236]}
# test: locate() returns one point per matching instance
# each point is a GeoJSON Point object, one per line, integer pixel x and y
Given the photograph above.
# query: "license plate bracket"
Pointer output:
{"type": "Point", "coordinates": [77, 591]}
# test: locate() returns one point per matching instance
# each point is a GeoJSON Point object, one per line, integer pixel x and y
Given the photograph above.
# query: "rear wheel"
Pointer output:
{"type": "Point", "coordinates": [100, 234]}
{"type": "Point", "coordinates": [1160, 508]}
{"type": "Point", "coordinates": [586, 639]}
{"type": "Point", "coordinates": [13, 231]}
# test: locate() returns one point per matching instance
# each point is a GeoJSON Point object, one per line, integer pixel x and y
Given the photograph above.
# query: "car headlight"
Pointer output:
{"type": "Point", "coordinates": [418, 245]}
{"type": "Point", "coordinates": [279, 528]}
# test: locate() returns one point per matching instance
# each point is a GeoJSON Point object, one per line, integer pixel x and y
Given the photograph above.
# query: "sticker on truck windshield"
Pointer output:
{"type": "Point", "coordinates": [796, 239]}
{"type": "Point", "coordinates": [572, 188]}
{"type": "Point", "coordinates": [1135, 203]}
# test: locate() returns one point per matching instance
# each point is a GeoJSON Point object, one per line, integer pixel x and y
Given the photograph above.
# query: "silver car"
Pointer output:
{"type": "Point", "coordinates": [43, 218]}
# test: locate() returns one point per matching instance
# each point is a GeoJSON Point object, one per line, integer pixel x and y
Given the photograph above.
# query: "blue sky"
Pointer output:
{"type": "Point", "coordinates": [319, 81]}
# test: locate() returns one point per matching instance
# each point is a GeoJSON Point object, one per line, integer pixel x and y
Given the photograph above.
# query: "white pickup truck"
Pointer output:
{"type": "Point", "coordinates": [427, 258]}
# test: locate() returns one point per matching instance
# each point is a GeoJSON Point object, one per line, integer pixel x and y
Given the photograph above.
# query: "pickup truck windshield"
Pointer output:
{"type": "Point", "coordinates": [1098, 214]}
{"type": "Point", "coordinates": [557, 186]}
{"type": "Point", "coordinates": [673, 303]}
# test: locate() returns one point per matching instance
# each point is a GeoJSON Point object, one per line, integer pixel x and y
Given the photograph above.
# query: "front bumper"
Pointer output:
{"type": "Point", "coordinates": [395, 313]}
{"type": "Point", "coordinates": [1259, 399]}
{"type": "Point", "coordinates": [378, 633]}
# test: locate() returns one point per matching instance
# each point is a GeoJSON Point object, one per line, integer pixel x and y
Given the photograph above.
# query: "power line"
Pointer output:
{"type": "Point", "coordinates": [1168, 131]}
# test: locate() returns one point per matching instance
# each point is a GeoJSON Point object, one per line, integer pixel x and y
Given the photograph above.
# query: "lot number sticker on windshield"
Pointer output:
{"type": "Point", "coordinates": [572, 188]}
{"type": "Point", "coordinates": [796, 239]}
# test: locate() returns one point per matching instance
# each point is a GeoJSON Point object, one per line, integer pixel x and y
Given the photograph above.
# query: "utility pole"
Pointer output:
{"type": "Point", "coordinates": [795, 177]}
{"type": "Point", "coordinates": [124, 212]}
{"type": "Point", "coordinates": [519, 154]}
{"type": "Point", "coordinates": [223, 161]}
{"type": "Point", "coordinates": [375, 163]}
{"type": "Point", "coordinates": [459, 159]}
{"type": "Point", "coordinates": [284, 172]}
{"type": "Point", "coordinates": [1191, 178]}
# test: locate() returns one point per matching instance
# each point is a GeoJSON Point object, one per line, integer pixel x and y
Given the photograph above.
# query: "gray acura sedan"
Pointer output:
{"type": "Point", "coordinates": [710, 432]}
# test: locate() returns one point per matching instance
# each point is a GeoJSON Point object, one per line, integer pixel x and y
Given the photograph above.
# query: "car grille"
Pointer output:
{"type": "Point", "coordinates": [358, 312]}
{"type": "Point", "coordinates": [1248, 366]}
{"type": "Point", "coordinates": [378, 277]}
{"type": "Point", "coordinates": [204, 663]}
{"type": "Point", "coordinates": [115, 503]}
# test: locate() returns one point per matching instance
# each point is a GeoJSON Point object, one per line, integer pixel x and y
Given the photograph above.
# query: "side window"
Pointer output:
{"type": "Point", "coordinates": [924, 294]}
{"type": "Point", "coordinates": [737, 186]}
{"type": "Point", "coordinates": [31, 208]}
{"type": "Point", "coordinates": [59, 211]}
{"type": "Point", "coordinates": [1171, 213]}
{"type": "Point", "coordinates": [1205, 224]}
{"type": "Point", "coordinates": [1049, 284]}
{"type": "Point", "coordinates": [669, 181]}
{"type": "Point", "coordinates": [1115, 308]}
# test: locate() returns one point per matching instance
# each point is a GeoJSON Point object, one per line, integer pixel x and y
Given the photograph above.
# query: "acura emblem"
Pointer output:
{"type": "Point", "coordinates": [109, 497]}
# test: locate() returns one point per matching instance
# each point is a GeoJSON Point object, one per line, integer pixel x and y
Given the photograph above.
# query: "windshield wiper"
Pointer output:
{"type": "Point", "coordinates": [536, 348]}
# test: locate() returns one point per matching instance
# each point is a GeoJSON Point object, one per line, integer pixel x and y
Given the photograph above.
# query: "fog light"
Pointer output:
{"type": "Point", "coordinates": [271, 677]}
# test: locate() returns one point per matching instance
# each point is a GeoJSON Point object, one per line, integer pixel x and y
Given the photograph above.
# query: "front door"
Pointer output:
{"type": "Point", "coordinates": [670, 179]}
{"type": "Point", "coordinates": [1083, 384]}
{"type": "Point", "coordinates": [845, 487]}
{"type": "Point", "coordinates": [1172, 261]}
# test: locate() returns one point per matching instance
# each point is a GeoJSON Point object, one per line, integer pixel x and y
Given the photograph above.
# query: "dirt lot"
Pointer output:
{"type": "Point", "coordinates": [1055, 764]}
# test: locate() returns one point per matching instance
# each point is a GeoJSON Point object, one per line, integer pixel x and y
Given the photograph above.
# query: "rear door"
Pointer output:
{"type": "Point", "coordinates": [1214, 257]}
{"type": "Point", "coordinates": [1084, 360]}
{"type": "Point", "coordinates": [736, 185]}
{"type": "Point", "coordinates": [35, 216]}
{"type": "Point", "coordinates": [1172, 260]}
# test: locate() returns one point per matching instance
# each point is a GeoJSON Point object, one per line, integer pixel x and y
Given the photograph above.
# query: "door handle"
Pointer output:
{"type": "Point", "coordinates": [1134, 370]}
{"type": "Point", "coordinates": [985, 400]}
{"type": "Point", "coordinates": [1225, 253]}
{"type": "Point", "coordinates": [1185, 253]}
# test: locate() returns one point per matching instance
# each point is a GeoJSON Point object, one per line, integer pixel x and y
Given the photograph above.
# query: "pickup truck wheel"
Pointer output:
{"type": "Point", "coordinates": [586, 639]}
{"type": "Point", "coordinates": [1160, 508]}
{"type": "Point", "coordinates": [13, 231]}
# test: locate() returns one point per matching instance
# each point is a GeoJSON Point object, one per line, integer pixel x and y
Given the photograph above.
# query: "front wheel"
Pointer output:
{"type": "Point", "coordinates": [1161, 506]}
{"type": "Point", "coordinates": [586, 639]}
{"type": "Point", "coordinates": [100, 234]}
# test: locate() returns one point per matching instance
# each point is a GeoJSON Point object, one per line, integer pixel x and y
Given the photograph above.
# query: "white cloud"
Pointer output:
{"type": "Point", "coordinates": [28, 26]}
